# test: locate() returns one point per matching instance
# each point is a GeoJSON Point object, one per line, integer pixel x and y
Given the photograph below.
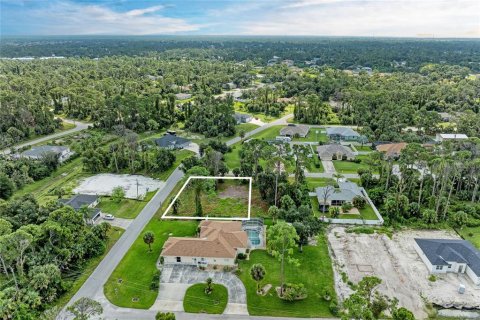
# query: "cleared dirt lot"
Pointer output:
{"type": "Point", "coordinates": [403, 273]}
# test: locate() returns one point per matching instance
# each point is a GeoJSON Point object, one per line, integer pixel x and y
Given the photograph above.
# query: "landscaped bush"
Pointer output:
{"type": "Point", "coordinates": [292, 292]}
{"type": "Point", "coordinates": [155, 281]}
{"type": "Point", "coordinates": [346, 206]}
{"type": "Point", "coordinates": [359, 202]}
{"type": "Point", "coordinates": [334, 308]}
{"type": "Point", "coordinates": [241, 256]}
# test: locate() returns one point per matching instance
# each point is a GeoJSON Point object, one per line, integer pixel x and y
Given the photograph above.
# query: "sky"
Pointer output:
{"type": "Point", "coordinates": [378, 18]}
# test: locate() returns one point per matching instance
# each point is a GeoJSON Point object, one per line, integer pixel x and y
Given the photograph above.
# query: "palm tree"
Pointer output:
{"type": "Point", "coordinates": [198, 186]}
{"type": "Point", "coordinates": [257, 272]}
{"type": "Point", "coordinates": [149, 238]}
{"type": "Point", "coordinates": [337, 176]}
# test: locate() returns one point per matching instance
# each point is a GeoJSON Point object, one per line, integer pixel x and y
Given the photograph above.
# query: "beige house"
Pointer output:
{"type": "Point", "coordinates": [219, 243]}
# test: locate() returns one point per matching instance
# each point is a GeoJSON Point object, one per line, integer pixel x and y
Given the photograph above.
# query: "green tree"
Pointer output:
{"type": "Point", "coordinates": [209, 285]}
{"type": "Point", "coordinates": [257, 272]}
{"type": "Point", "coordinates": [149, 238]}
{"type": "Point", "coordinates": [281, 240]}
{"type": "Point", "coordinates": [6, 186]}
{"type": "Point", "coordinates": [118, 193]}
{"type": "Point", "coordinates": [85, 309]}
{"type": "Point", "coordinates": [273, 213]}
{"type": "Point", "coordinates": [165, 316]}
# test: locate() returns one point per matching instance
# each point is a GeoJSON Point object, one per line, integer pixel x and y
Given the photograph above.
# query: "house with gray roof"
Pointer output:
{"type": "Point", "coordinates": [171, 141]}
{"type": "Point", "coordinates": [330, 196]}
{"type": "Point", "coordinates": [88, 201]}
{"type": "Point", "coordinates": [294, 130]}
{"type": "Point", "coordinates": [37, 153]}
{"type": "Point", "coordinates": [342, 134]}
{"type": "Point", "coordinates": [242, 117]}
{"type": "Point", "coordinates": [334, 151]}
{"type": "Point", "coordinates": [450, 255]}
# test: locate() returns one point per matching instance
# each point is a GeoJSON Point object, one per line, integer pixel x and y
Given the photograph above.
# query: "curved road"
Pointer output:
{"type": "Point", "coordinates": [93, 287]}
{"type": "Point", "coordinates": [79, 127]}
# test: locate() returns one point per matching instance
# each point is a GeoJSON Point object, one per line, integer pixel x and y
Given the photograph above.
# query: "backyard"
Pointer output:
{"type": "Point", "coordinates": [315, 272]}
{"type": "Point", "coordinates": [197, 301]}
{"type": "Point", "coordinates": [366, 213]}
{"type": "Point", "coordinates": [129, 284]}
{"type": "Point", "coordinates": [471, 234]}
{"type": "Point", "coordinates": [313, 136]}
{"type": "Point", "coordinates": [344, 166]}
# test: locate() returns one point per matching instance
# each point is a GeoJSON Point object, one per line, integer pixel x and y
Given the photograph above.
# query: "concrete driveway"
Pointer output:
{"type": "Point", "coordinates": [117, 222]}
{"type": "Point", "coordinates": [328, 166]}
{"type": "Point", "coordinates": [176, 279]}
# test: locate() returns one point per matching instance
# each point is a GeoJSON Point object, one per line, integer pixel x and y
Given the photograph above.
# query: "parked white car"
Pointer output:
{"type": "Point", "coordinates": [108, 217]}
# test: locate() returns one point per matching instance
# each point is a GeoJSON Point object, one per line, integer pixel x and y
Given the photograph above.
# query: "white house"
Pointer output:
{"type": "Point", "coordinates": [80, 201]}
{"type": "Point", "coordinates": [37, 153]}
{"type": "Point", "coordinates": [440, 137]}
{"type": "Point", "coordinates": [447, 255]}
{"type": "Point", "coordinates": [218, 244]}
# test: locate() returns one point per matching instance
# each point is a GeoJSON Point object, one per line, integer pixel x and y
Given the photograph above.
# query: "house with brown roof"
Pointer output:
{"type": "Point", "coordinates": [392, 150]}
{"type": "Point", "coordinates": [218, 243]}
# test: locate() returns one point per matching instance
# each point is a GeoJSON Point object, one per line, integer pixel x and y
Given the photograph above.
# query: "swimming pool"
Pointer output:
{"type": "Point", "coordinates": [254, 237]}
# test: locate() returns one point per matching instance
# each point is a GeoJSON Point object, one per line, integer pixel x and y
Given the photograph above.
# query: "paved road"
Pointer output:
{"type": "Point", "coordinates": [93, 287]}
{"type": "Point", "coordinates": [79, 127]}
{"type": "Point", "coordinates": [280, 121]}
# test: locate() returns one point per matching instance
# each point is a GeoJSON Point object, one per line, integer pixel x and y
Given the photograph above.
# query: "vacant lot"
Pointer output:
{"type": "Point", "coordinates": [229, 200]}
{"type": "Point", "coordinates": [396, 262]}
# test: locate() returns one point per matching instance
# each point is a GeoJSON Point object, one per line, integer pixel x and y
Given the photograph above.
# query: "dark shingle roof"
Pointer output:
{"type": "Point", "coordinates": [80, 200]}
{"type": "Point", "coordinates": [441, 251]}
{"type": "Point", "coordinates": [42, 150]}
{"type": "Point", "coordinates": [170, 140]}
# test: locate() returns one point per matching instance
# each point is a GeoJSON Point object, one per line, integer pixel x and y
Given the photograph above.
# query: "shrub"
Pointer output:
{"type": "Point", "coordinates": [292, 292]}
{"type": "Point", "coordinates": [359, 202]}
{"type": "Point", "coordinates": [241, 256]}
{"type": "Point", "coordinates": [165, 316]}
{"type": "Point", "coordinates": [432, 278]}
{"type": "Point", "coordinates": [155, 281]}
{"type": "Point", "coordinates": [346, 206]}
{"type": "Point", "coordinates": [333, 306]}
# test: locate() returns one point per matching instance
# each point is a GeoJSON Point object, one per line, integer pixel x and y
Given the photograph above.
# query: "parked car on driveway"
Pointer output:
{"type": "Point", "coordinates": [108, 217]}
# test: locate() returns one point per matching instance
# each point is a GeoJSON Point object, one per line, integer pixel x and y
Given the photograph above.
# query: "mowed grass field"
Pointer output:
{"type": "Point", "coordinates": [126, 208]}
{"type": "Point", "coordinates": [129, 284]}
{"type": "Point", "coordinates": [197, 301]}
{"type": "Point", "coordinates": [315, 272]}
{"type": "Point", "coordinates": [229, 200]}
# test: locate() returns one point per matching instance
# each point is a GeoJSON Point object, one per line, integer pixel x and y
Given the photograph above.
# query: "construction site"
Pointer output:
{"type": "Point", "coordinates": [403, 273]}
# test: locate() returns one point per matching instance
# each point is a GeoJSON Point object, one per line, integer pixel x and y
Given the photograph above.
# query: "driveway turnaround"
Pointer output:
{"type": "Point", "coordinates": [176, 279]}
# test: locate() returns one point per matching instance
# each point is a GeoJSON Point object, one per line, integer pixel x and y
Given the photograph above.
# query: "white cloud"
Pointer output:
{"type": "Point", "coordinates": [67, 18]}
{"type": "Point", "coordinates": [398, 18]}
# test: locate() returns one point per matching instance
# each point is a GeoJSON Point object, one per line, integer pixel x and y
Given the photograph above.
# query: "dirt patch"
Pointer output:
{"type": "Point", "coordinates": [403, 273]}
{"type": "Point", "coordinates": [232, 191]}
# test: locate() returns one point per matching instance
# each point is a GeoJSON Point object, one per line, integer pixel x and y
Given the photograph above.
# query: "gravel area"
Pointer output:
{"type": "Point", "coordinates": [103, 184]}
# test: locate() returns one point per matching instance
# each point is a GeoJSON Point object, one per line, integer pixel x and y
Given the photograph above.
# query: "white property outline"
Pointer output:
{"type": "Point", "coordinates": [164, 216]}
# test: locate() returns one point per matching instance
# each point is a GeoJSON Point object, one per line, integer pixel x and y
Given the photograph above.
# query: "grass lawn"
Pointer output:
{"type": "Point", "coordinates": [367, 213]}
{"type": "Point", "coordinates": [230, 200]}
{"type": "Point", "coordinates": [268, 134]}
{"type": "Point", "coordinates": [313, 183]}
{"type": "Point", "coordinates": [364, 148]}
{"type": "Point", "coordinates": [315, 272]}
{"type": "Point", "coordinates": [197, 301]}
{"type": "Point", "coordinates": [311, 164]}
{"type": "Point", "coordinates": [348, 166]}
{"type": "Point", "coordinates": [126, 208]}
{"type": "Point", "coordinates": [471, 234]}
{"type": "Point", "coordinates": [232, 159]}
{"type": "Point", "coordinates": [76, 281]}
{"type": "Point", "coordinates": [138, 267]}
{"type": "Point", "coordinates": [314, 137]}
{"type": "Point", "coordinates": [239, 107]}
